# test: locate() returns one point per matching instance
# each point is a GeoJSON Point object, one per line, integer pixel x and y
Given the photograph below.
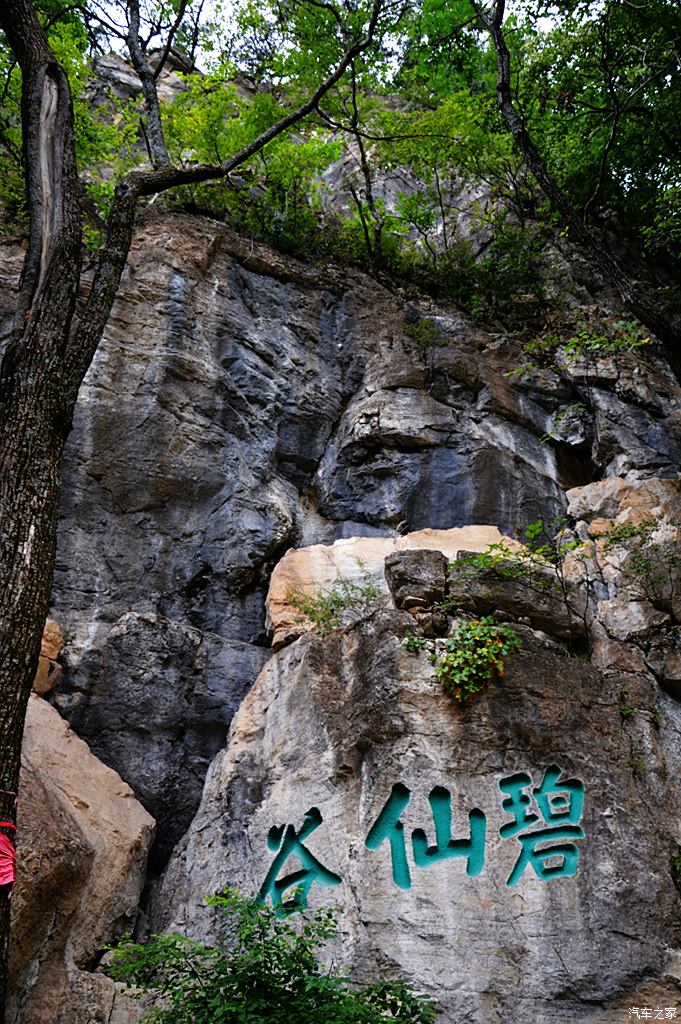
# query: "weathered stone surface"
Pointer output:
{"type": "Point", "coordinates": [313, 569]}
{"type": "Point", "coordinates": [114, 75]}
{"type": "Point", "coordinates": [664, 659]}
{"type": "Point", "coordinates": [333, 723]}
{"type": "Point", "coordinates": [49, 670]}
{"type": "Point", "coordinates": [163, 701]}
{"type": "Point", "coordinates": [611, 655]}
{"type": "Point", "coordinates": [599, 527]}
{"type": "Point", "coordinates": [616, 498]}
{"type": "Point", "coordinates": [662, 994]}
{"type": "Point", "coordinates": [540, 597]}
{"type": "Point", "coordinates": [634, 441]}
{"type": "Point", "coordinates": [627, 620]}
{"type": "Point", "coordinates": [242, 403]}
{"type": "Point", "coordinates": [82, 843]}
{"type": "Point", "coordinates": [417, 579]}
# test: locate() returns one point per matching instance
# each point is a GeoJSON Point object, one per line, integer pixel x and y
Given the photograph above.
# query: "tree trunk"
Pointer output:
{"type": "Point", "coordinates": [33, 414]}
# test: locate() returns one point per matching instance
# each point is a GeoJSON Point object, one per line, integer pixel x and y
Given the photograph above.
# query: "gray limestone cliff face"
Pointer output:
{"type": "Point", "coordinates": [240, 404]}
{"type": "Point", "coordinates": [333, 723]}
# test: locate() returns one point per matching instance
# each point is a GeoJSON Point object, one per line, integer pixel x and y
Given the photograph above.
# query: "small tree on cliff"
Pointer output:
{"type": "Point", "coordinates": [578, 223]}
{"type": "Point", "coordinates": [54, 338]}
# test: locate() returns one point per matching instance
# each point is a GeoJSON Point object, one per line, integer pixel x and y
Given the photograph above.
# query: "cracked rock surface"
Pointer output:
{"type": "Point", "coordinates": [335, 722]}
{"type": "Point", "coordinates": [250, 422]}
{"type": "Point", "coordinates": [242, 404]}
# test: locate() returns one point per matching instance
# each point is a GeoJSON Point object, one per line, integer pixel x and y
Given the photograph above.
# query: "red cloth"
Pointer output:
{"type": "Point", "coordinates": [7, 860]}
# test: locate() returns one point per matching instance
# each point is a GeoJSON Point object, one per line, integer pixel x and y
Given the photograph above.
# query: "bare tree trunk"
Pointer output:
{"type": "Point", "coordinates": [33, 411]}
{"type": "Point", "coordinates": [579, 231]}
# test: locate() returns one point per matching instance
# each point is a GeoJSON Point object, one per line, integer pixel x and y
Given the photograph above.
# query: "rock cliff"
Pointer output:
{"type": "Point", "coordinates": [242, 404]}
{"type": "Point", "coordinates": [253, 424]}
{"type": "Point", "coordinates": [336, 723]}
{"type": "Point", "coordinates": [81, 854]}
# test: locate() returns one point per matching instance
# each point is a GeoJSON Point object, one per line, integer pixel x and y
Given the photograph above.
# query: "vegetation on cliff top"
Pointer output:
{"type": "Point", "coordinates": [380, 169]}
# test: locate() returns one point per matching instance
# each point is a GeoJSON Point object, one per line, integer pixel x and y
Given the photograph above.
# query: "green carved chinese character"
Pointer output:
{"type": "Point", "coordinates": [301, 880]}
{"type": "Point", "coordinates": [472, 849]}
{"type": "Point", "coordinates": [389, 826]}
{"type": "Point", "coordinates": [560, 802]}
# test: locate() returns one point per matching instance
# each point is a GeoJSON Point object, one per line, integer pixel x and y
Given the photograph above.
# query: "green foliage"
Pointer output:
{"type": "Point", "coordinates": [601, 88]}
{"type": "Point", "coordinates": [639, 766]}
{"type": "Point", "coordinates": [659, 715]}
{"type": "Point", "coordinates": [509, 279]}
{"type": "Point", "coordinates": [425, 333]}
{"type": "Point", "coordinates": [568, 414]}
{"type": "Point", "coordinates": [106, 136]}
{"type": "Point", "coordinates": [444, 55]}
{"type": "Point", "coordinates": [325, 609]}
{"type": "Point", "coordinates": [473, 656]}
{"type": "Point", "coordinates": [627, 710]}
{"type": "Point", "coordinates": [651, 570]}
{"type": "Point", "coordinates": [535, 564]}
{"type": "Point", "coordinates": [622, 532]}
{"type": "Point", "coordinates": [582, 350]}
{"type": "Point", "coordinates": [414, 644]}
{"type": "Point", "coordinates": [588, 78]}
{"type": "Point", "coordinates": [623, 336]}
{"type": "Point", "coordinates": [265, 968]}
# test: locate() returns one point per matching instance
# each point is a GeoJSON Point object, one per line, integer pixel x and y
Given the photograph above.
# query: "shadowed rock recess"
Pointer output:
{"type": "Point", "coordinates": [253, 429]}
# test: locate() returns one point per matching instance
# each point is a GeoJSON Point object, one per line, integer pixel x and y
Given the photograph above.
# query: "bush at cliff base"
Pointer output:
{"type": "Point", "coordinates": [264, 968]}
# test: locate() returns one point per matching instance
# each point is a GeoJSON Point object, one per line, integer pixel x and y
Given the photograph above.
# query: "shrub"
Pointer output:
{"type": "Point", "coordinates": [414, 644]}
{"type": "Point", "coordinates": [473, 656]}
{"type": "Point", "coordinates": [538, 567]}
{"type": "Point", "coordinates": [265, 968]}
{"type": "Point", "coordinates": [652, 569]}
{"type": "Point", "coordinates": [325, 609]}
{"type": "Point", "coordinates": [426, 333]}
{"type": "Point", "coordinates": [552, 350]}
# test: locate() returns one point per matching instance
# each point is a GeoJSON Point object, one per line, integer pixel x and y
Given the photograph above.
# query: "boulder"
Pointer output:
{"type": "Point", "coordinates": [82, 843]}
{"type": "Point", "coordinates": [417, 579]}
{"type": "Point", "coordinates": [610, 655]}
{"type": "Point", "coordinates": [314, 569]}
{"type": "Point", "coordinates": [49, 669]}
{"type": "Point", "coordinates": [630, 620]}
{"type": "Point", "coordinates": [624, 500]}
{"type": "Point", "coordinates": [351, 738]}
{"type": "Point", "coordinates": [664, 659]}
{"type": "Point", "coordinates": [535, 595]}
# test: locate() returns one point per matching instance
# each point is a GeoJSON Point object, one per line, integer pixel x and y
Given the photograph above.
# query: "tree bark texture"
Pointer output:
{"type": "Point", "coordinates": [33, 412]}
{"type": "Point", "coordinates": [579, 231]}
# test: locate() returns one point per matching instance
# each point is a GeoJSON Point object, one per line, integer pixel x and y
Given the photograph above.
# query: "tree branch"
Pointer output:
{"type": "Point", "coordinates": [155, 134]}
{"type": "Point", "coordinates": [579, 231]}
{"type": "Point", "coordinates": [171, 37]}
